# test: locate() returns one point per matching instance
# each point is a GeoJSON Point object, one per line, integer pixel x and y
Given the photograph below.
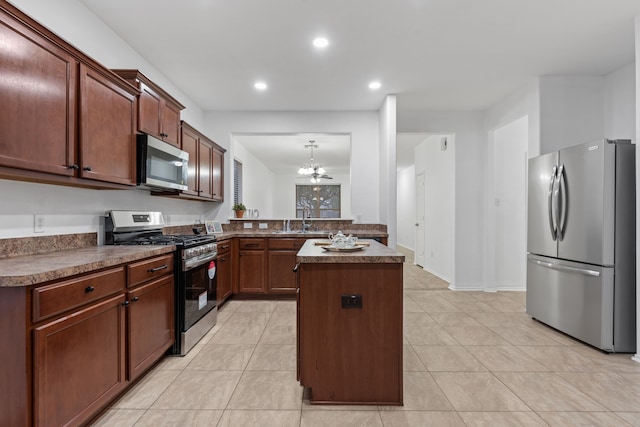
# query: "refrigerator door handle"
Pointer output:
{"type": "Point", "coordinates": [563, 203]}
{"type": "Point", "coordinates": [550, 204]}
{"type": "Point", "coordinates": [558, 267]}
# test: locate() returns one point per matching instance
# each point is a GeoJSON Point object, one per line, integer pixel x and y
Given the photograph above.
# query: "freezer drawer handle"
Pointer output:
{"type": "Point", "coordinates": [566, 268]}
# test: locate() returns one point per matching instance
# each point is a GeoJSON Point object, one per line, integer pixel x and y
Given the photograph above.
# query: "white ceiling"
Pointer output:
{"type": "Point", "coordinates": [432, 54]}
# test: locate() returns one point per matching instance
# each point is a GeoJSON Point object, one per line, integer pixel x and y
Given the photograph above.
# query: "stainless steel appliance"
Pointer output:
{"type": "Point", "coordinates": [581, 243]}
{"type": "Point", "coordinates": [160, 165]}
{"type": "Point", "coordinates": [195, 270]}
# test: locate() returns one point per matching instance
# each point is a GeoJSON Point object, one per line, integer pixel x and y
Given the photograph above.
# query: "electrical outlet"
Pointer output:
{"type": "Point", "coordinates": [263, 226]}
{"type": "Point", "coordinates": [38, 223]}
{"type": "Point", "coordinates": [248, 225]}
{"type": "Point", "coordinates": [351, 301]}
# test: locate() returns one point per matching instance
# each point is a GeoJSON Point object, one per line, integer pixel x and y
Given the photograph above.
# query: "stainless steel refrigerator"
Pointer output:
{"type": "Point", "coordinates": [581, 243]}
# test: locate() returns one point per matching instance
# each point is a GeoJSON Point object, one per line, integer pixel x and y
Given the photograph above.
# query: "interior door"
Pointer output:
{"type": "Point", "coordinates": [540, 239]}
{"type": "Point", "coordinates": [420, 209]}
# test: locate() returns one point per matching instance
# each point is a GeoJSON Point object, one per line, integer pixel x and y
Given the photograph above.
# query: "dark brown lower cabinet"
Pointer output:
{"type": "Point", "coordinates": [281, 260]}
{"type": "Point", "coordinates": [74, 345]}
{"type": "Point", "coordinates": [350, 354]}
{"type": "Point", "coordinates": [79, 363]}
{"type": "Point", "coordinates": [151, 324]}
{"type": "Point", "coordinates": [225, 271]}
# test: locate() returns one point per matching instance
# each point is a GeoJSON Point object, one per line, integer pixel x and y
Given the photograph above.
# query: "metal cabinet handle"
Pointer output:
{"type": "Point", "coordinates": [295, 269]}
{"type": "Point", "coordinates": [87, 168]}
{"type": "Point", "coordinates": [74, 167]}
{"type": "Point", "coordinates": [89, 289]}
{"type": "Point", "coordinates": [134, 299]}
{"type": "Point", "coordinates": [162, 267]}
{"type": "Point", "coordinates": [126, 303]}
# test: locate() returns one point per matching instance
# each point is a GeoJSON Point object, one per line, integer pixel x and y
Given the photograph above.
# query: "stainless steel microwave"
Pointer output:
{"type": "Point", "coordinates": [161, 165]}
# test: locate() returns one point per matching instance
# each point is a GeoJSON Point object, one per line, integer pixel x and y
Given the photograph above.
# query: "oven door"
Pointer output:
{"type": "Point", "coordinates": [200, 286]}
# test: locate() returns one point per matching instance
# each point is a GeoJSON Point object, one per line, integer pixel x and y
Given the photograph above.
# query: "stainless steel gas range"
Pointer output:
{"type": "Point", "coordinates": [195, 270]}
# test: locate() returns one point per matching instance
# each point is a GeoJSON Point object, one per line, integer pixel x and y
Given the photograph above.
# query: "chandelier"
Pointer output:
{"type": "Point", "coordinates": [312, 168]}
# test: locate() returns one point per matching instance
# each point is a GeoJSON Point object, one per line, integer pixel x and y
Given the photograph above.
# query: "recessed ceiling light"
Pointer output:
{"type": "Point", "coordinates": [320, 42]}
{"type": "Point", "coordinates": [375, 85]}
{"type": "Point", "coordinates": [260, 85]}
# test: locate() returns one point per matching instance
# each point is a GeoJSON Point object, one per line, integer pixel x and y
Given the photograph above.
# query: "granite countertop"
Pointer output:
{"type": "Point", "coordinates": [374, 253]}
{"type": "Point", "coordinates": [295, 234]}
{"type": "Point", "coordinates": [34, 269]}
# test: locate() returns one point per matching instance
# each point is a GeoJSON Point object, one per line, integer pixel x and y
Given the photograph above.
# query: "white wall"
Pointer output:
{"type": "Point", "coordinates": [571, 111]}
{"type": "Point", "coordinates": [284, 197]}
{"type": "Point", "coordinates": [69, 210]}
{"type": "Point", "coordinates": [438, 168]}
{"type": "Point", "coordinates": [469, 158]}
{"type": "Point", "coordinates": [259, 196]}
{"type": "Point", "coordinates": [363, 126]}
{"type": "Point", "coordinates": [619, 103]}
{"type": "Point", "coordinates": [387, 169]}
{"type": "Point", "coordinates": [406, 216]}
{"type": "Point", "coordinates": [506, 223]}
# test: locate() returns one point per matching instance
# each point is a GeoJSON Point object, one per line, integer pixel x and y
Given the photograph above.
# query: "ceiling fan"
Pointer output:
{"type": "Point", "coordinates": [312, 169]}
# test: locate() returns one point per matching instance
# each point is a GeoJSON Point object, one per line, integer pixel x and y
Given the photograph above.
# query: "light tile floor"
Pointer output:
{"type": "Point", "coordinates": [470, 359]}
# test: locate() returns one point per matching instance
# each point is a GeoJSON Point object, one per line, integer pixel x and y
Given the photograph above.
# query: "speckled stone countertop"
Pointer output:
{"type": "Point", "coordinates": [34, 269]}
{"type": "Point", "coordinates": [297, 235]}
{"type": "Point", "coordinates": [374, 253]}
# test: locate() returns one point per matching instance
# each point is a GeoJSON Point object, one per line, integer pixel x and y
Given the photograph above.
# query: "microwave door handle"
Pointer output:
{"type": "Point", "coordinates": [550, 204]}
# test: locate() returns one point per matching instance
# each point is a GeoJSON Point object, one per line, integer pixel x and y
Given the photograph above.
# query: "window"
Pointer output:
{"type": "Point", "coordinates": [321, 201]}
{"type": "Point", "coordinates": [237, 182]}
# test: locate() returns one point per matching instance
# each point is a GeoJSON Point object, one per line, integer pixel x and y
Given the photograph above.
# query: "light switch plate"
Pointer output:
{"type": "Point", "coordinates": [38, 223]}
{"type": "Point", "coordinates": [263, 225]}
{"type": "Point", "coordinates": [248, 225]}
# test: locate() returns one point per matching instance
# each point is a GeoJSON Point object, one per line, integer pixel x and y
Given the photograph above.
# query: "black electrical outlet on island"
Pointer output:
{"type": "Point", "coordinates": [351, 301]}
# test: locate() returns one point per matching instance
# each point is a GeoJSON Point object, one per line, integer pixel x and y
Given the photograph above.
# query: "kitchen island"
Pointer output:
{"type": "Point", "coordinates": [349, 327]}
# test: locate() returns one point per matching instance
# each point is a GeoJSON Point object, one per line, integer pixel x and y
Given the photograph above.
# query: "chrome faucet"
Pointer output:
{"type": "Point", "coordinates": [306, 227]}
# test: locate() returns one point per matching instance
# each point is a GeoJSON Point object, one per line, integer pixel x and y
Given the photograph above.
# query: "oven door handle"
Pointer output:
{"type": "Point", "coordinates": [197, 262]}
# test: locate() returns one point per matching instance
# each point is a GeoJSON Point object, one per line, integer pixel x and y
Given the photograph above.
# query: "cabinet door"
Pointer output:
{"type": "Point", "coordinates": [190, 142]}
{"type": "Point", "coordinates": [282, 279]}
{"type": "Point", "coordinates": [251, 272]}
{"type": "Point", "coordinates": [224, 276]}
{"type": "Point", "coordinates": [205, 155]}
{"type": "Point", "coordinates": [151, 324]}
{"type": "Point", "coordinates": [170, 124]}
{"type": "Point", "coordinates": [107, 135]}
{"type": "Point", "coordinates": [149, 111]}
{"type": "Point", "coordinates": [38, 93]}
{"type": "Point", "coordinates": [79, 364]}
{"type": "Point", "coordinates": [217, 175]}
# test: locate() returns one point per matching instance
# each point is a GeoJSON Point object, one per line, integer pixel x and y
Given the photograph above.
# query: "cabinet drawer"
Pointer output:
{"type": "Point", "coordinates": [224, 247]}
{"type": "Point", "coordinates": [251, 244]}
{"type": "Point", "coordinates": [285, 243]}
{"type": "Point", "coordinates": [148, 269]}
{"type": "Point", "coordinates": [62, 296]}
